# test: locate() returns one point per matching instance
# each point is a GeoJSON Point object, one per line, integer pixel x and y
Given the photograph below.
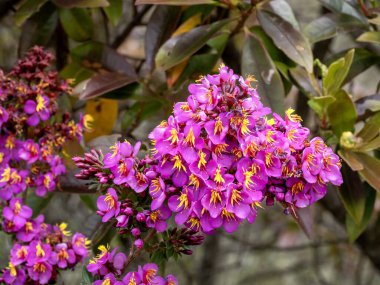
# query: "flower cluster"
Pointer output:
{"type": "Point", "coordinates": [32, 135]}
{"type": "Point", "coordinates": [219, 155]}
{"type": "Point", "coordinates": [108, 267]}
{"type": "Point", "coordinates": [40, 249]}
{"type": "Point", "coordinates": [216, 159]}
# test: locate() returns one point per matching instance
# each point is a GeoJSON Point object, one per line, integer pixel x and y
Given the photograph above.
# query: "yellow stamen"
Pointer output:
{"type": "Point", "coordinates": [235, 197]}
{"type": "Point", "coordinates": [178, 163]}
{"type": "Point", "coordinates": [184, 201]}
{"type": "Point", "coordinates": [218, 127]}
{"type": "Point", "coordinates": [12, 269]}
{"type": "Point", "coordinates": [110, 201]}
{"type": "Point", "coordinates": [194, 180]}
{"type": "Point", "coordinates": [228, 215]}
{"type": "Point", "coordinates": [173, 136]}
{"type": "Point", "coordinates": [293, 117]}
{"type": "Point", "coordinates": [41, 103]}
{"type": "Point", "coordinates": [194, 223]}
{"type": "Point", "coordinates": [39, 251]}
{"type": "Point", "coordinates": [190, 138]}
{"type": "Point", "coordinates": [297, 187]}
{"type": "Point", "coordinates": [202, 159]}
{"type": "Point", "coordinates": [63, 227]}
{"type": "Point", "coordinates": [218, 176]}
{"type": "Point", "coordinates": [215, 197]}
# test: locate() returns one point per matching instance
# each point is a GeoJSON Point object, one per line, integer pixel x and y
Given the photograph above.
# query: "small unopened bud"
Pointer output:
{"type": "Point", "coordinates": [139, 243]}
{"type": "Point", "coordinates": [135, 232]}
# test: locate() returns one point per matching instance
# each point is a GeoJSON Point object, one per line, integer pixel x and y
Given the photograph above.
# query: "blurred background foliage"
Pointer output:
{"type": "Point", "coordinates": [129, 61]}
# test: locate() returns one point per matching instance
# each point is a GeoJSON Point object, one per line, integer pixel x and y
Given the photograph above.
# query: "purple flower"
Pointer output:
{"type": "Point", "coordinates": [157, 219]}
{"type": "Point", "coordinates": [39, 252]}
{"type": "Point", "coordinates": [62, 256]}
{"type": "Point", "coordinates": [40, 271]}
{"type": "Point", "coordinates": [45, 183]}
{"type": "Point", "coordinates": [17, 213]}
{"type": "Point", "coordinates": [19, 254]}
{"type": "Point", "coordinates": [29, 152]}
{"type": "Point", "coordinates": [80, 243]}
{"type": "Point", "coordinates": [14, 275]}
{"type": "Point", "coordinates": [108, 205]}
{"type": "Point", "coordinates": [132, 278]}
{"type": "Point", "coordinates": [38, 110]}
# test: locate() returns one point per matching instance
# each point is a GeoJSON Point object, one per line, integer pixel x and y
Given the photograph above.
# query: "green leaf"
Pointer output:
{"type": "Point", "coordinates": [257, 62]}
{"type": "Point", "coordinates": [343, 7]}
{"type": "Point", "coordinates": [351, 159]}
{"type": "Point", "coordinates": [363, 59]}
{"type": "Point", "coordinates": [103, 83]}
{"type": "Point", "coordinates": [87, 278]}
{"type": "Point", "coordinates": [320, 104]}
{"type": "Point", "coordinates": [352, 194]}
{"type": "Point", "coordinates": [177, 49]}
{"type": "Point", "coordinates": [370, 171]}
{"type": "Point", "coordinates": [336, 73]}
{"type": "Point", "coordinates": [77, 23]}
{"type": "Point", "coordinates": [81, 3]}
{"type": "Point", "coordinates": [354, 230]}
{"type": "Point", "coordinates": [282, 9]}
{"type": "Point", "coordinates": [76, 71]}
{"type": "Point", "coordinates": [114, 11]}
{"type": "Point", "coordinates": [287, 38]}
{"type": "Point", "coordinates": [302, 80]}
{"type": "Point", "coordinates": [371, 128]}
{"type": "Point", "coordinates": [344, 119]}
{"type": "Point", "coordinates": [27, 9]}
{"type": "Point", "coordinates": [175, 2]}
{"type": "Point", "coordinates": [89, 201]}
{"type": "Point", "coordinates": [370, 37]}
{"type": "Point", "coordinates": [329, 25]}
{"type": "Point", "coordinates": [39, 28]}
{"type": "Point", "coordinates": [372, 145]}
{"type": "Point", "coordinates": [161, 25]}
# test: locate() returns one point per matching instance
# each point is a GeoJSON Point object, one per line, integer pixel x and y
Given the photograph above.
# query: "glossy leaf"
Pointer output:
{"type": "Point", "coordinates": [177, 49]}
{"type": "Point", "coordinates": [104, 82]}
{"type": "Point", "coordinates": [75, 71]}
{"type": "Point", "coordinates": [320, 104]}
{"type": "Point", "coordinates": [329, 25]}
{"type": "Point", "coordinates": [370, 37]}
{"type": "Point", "coordinates": [282, 9]}
{"type": "Point", "coordinates": [370, 171]}
{"type": "Point", "coordinates": [336, 73]}
{"type": "Point", "coordinates": [352, 194]}
{"type": "Point", "coordinates": [257, 62]}
{"type": "Point", "coordinates": [189, 24]}
{"type": "Point", "coordinates": [343, 7]}
{"type": "Point", "coordinates": [175, 2]}
{"type": "Point", "coordinates": [27, 9]}
{"type": "Point", "coordinates": [287, 38]}
{"type": "Point", "coordinates": [303, 81]}
{"type": "Point", "coordinates": [87, 278]}
{"type": "Point", "coordinates": [369, 146]}
{"type": "Point", "coordinates": [351, 159]}
{"type": "Point", "coordinates": [371, 128]}
{"type": "Point", "coordinates": [160, 27]}
{"type": "Point", "coordinates": [362, 60]}
{"type": "Point", "coordinates": [77, 23]}
{"type": "Point", "coordinates": [81, 3]}
{"type": "Point", "coordinates": [104, 112]}
{"type": "Point", "coordinates": [345, 119]}
{"type": "Point", "coordinates": [354, 230]}
{"type": "Point", "coordinates": [114, 11]}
